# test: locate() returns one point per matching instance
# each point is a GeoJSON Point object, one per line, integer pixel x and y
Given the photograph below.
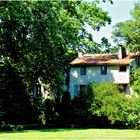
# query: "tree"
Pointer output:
{"type": "Point", "coordinates": [15, 104]}
{"type": "Point", "coordinates": [128, 32]}
{"type": "Point", "coordinates": [38, 37]}
{"type": "Point", "coordinates": [104, 46]}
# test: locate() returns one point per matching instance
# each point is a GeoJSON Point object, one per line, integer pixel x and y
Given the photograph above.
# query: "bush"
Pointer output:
{"type": "Point", "coordinates": [135, 81]}
{"type": "Point", "coordinates": [131, 113]}
{"type": "Point", "coordinates": [39, 109]}
{"type": "Point", "coordinates": [123, 112]}
{"type": "Point", "coordinates": [80, 105]}
{"type": "Point", "coordinates": [105, 102]}
{"type": "Point", "coordinates": [64, 111]}
{"type": "Point", "coordinates": [15, 102]}
{"type": "Point", "coordinates": [11, 127]}
{"type": "Point", "coordinates": [52, 115]}
{"type": "Point", "coordinates": [104, 105]}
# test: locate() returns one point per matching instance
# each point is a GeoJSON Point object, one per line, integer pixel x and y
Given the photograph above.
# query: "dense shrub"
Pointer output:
{"type": "Point", "coordinates": [65, 110]}
{"type": "Point", "coordinates": [106, 98]}
{"type": "Point", "coordinates": [105, 105]}
{"type": "Point", "coordinates": [15, 104]}
{"type": "Point", "coordinates": [51, 113]}
{"type": "Point", "coordinates": [11, 127]}
{"type": "Point", "coordinates": [131, 113]}
{"type": "Point", "coordinates": [122, 111]}
{"type": "Point", "coordinates": [57, 111]}
{"type": "Point", "coordinates": [39, 110]}
{"type": "Point", "coordinates": [80, 105]}
{"type": "Point", "coordinates": [135, 81]}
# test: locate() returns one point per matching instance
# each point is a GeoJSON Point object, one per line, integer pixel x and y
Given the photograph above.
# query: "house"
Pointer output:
{"type": "Point", "coordinates": [89, 68]}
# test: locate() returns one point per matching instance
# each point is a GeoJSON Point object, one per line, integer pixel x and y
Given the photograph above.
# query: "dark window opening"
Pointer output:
{"type": "Point", "coordinates": [103, 70]}
{"type": "Point", "coordinates": [37, 90]}
{"type": "Point", "coordinates": [123, 68]}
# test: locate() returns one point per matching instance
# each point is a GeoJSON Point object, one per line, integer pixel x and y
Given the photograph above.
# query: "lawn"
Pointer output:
{"type": "Point", "coordinates": [72, 134]}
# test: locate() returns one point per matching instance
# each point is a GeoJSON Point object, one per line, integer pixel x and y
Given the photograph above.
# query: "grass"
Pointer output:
{"type": "Point", "coordinates": [72, 134]}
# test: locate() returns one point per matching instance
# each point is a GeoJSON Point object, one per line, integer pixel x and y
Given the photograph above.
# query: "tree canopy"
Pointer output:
{"type": "Point", "coordinates": [128, 32]}
{"type": "Point", "coordinates": [37, 37]}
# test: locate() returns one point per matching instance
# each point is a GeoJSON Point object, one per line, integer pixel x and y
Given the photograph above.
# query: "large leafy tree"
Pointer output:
{"type": "Point", "coordinates": [38, 37]}
{"type": "Point", "coordinates": [128, 32]}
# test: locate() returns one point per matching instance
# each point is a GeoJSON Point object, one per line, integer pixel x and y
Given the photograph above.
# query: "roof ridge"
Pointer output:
{"type": "Point", "coordinates": [100, 59]}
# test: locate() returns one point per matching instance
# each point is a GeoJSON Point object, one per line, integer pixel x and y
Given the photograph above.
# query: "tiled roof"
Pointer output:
{"type": "Point", "coordinates": [103, 59]}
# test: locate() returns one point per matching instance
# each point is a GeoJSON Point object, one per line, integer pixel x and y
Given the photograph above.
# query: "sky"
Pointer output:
{"type": "Point", "coordinates": [119, 11]}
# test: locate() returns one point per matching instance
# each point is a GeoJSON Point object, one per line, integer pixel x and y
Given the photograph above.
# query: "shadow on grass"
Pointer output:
{"type": "Point", "coordinates": [18, 131]}
{"type": "Point", "coordinates": [44, 130]}
{"type": "Point", "coordinates": [61, 129]}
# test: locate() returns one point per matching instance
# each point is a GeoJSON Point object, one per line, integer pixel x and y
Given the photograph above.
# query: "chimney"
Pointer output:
{"type": "Point", "coordinates": [121, 52]}
{"type": "Point", "coordinates": [80, 54]}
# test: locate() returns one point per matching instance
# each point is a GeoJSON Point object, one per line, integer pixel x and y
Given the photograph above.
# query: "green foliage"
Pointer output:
{"type": "Point", "coordinates": [135, 81]}
{"type": "Point", "coordinates": [65, 109]}
{"type": "Point", "coordinates": [39, 110]}
{"type": "Point", "coordinates": [122, 111]}
{"type": "Point", "coordinates": [106, 97]}
{"type": "Point", "coordinates": [11, 127]}
{"type": "Point", "coordinates": [105, 46]}
{"type": "Point", "coordinates": [15, 103]}
{"type": "Point", "coordinates": [57, 111]}
{"type": "Point", "coordinates": [131, 116]}
{"type": "Point", "coordinates": [80, 105]}
{"type": "Point", "coordinates": [129, 31]}
{"type": "Point", "coordinates": [51, 113]}
{"type": "Point", "coordinates": [37, 39]}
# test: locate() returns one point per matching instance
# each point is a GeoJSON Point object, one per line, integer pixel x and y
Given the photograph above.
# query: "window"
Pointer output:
{"type": "Point", "coordinates": [83, 70]}
{"type": "Point", "coordinates": [123, 68]}
{"type": "Point", "coordinates": [37, 90]}
{"type": "Point", "coordinates": [103, 70]}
